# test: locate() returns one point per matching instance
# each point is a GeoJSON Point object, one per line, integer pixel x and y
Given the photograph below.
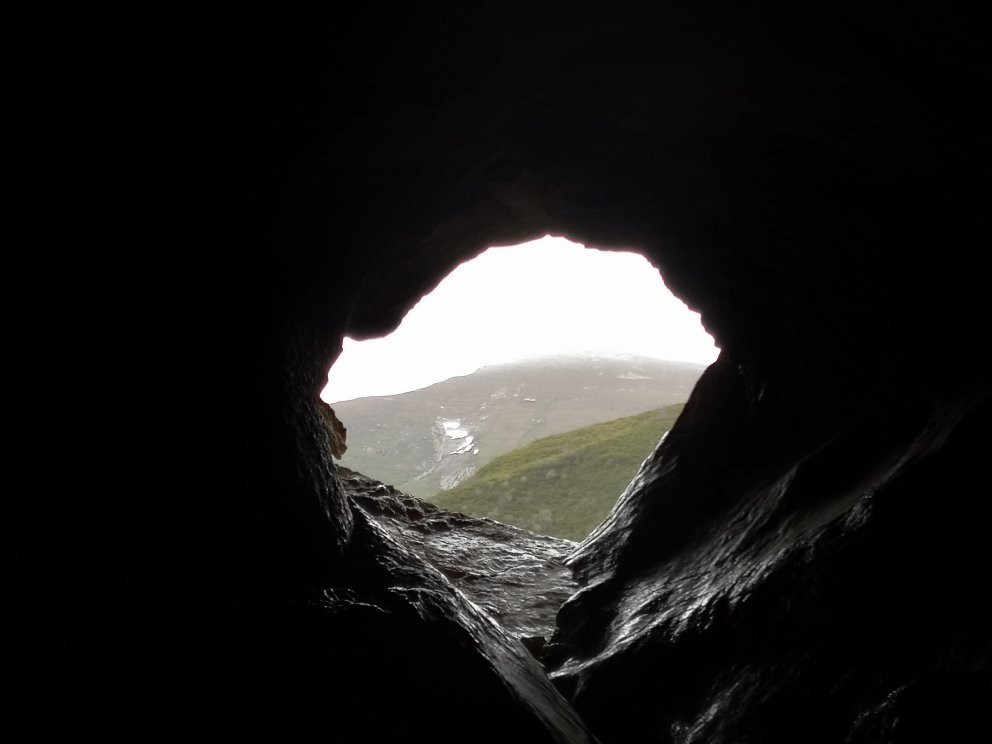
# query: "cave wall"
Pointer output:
{"type": "Point", "coordinates": [208, 202]}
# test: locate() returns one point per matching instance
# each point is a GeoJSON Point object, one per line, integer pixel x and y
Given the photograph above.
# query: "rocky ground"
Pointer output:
{"type": "Point", "coordinates": [517, 577]}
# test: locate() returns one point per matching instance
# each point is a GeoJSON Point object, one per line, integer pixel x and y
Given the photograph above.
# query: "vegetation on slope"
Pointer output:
{"type": "Point", "coordinates": [400, 439]}
{"type": "Point", "coordinates": [562, 485]}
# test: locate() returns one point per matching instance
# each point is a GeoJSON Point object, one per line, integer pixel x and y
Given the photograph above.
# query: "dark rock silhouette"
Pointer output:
{"type": "Point", "coordinates": [206, 203]}
{"type": "Point", "coordinates": [338, 432]}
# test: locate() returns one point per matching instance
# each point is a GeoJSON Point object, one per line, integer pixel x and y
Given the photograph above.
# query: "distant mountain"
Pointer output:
{"type": "Point", "coordinates": [563, 485]}
{"type": "Point", "coordinates": [432, 439]}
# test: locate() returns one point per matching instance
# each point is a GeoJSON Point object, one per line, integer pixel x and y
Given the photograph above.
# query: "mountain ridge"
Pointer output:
{"type": "Point", "coordinates": [429, 440]}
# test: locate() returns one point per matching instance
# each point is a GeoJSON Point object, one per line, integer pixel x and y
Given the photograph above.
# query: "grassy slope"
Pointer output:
{"type": "Point", "coordinates": [563, 485]}
{"type": "Point", "coordinates": [394, 438]}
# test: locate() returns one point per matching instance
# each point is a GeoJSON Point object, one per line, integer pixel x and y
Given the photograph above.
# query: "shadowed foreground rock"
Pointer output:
{"type": "Point", "coordinates": [808, 599]}
{"type": "Point", "coordinates": [207, 203]}
{"type": "Point", "coordinates": [401, 614]}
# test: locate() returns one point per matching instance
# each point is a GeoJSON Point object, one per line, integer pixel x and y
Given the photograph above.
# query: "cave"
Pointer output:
{"type": "Point", "coordinates": [207, 201]}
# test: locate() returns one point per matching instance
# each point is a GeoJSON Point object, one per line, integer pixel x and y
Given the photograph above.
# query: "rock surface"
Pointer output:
{"type": "Point", "coordinates": [207, 202]}
{"type": "Point", "coordinates": [515, 576]}
{"type": "Point", "coordinates": [337, 430]}
{"type": "Point", "coordinates": [805, 600]}
{"type": "Point", "coordinates": [401, 614]}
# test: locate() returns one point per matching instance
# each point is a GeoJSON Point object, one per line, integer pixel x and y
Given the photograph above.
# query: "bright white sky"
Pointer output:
{"type": "Point", "coordinates": [549, 296]}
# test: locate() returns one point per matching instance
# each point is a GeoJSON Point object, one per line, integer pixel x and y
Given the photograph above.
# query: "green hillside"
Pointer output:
{"type": "Point", "coordinates": [563, 485]}
{"type": "Point", "coordinates": [433, 439]}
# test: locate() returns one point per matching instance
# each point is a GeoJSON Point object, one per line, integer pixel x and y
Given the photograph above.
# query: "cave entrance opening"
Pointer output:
{"type": "Point", "coordinates": [526, 388]}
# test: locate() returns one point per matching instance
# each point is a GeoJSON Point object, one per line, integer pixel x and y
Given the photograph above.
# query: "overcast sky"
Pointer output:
{"type": "Point", "coordinates": [545, 297]}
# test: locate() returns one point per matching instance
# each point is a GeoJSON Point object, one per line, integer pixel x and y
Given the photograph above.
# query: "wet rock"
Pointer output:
{"type": "Point", "coordinates": [784, 603]}
{"type": "Point", "coordinates": [339, 434]}
{"type": "Point", "coordinates": [517, 577]}
{"type": "Point", "coordinates": [402, 613]}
